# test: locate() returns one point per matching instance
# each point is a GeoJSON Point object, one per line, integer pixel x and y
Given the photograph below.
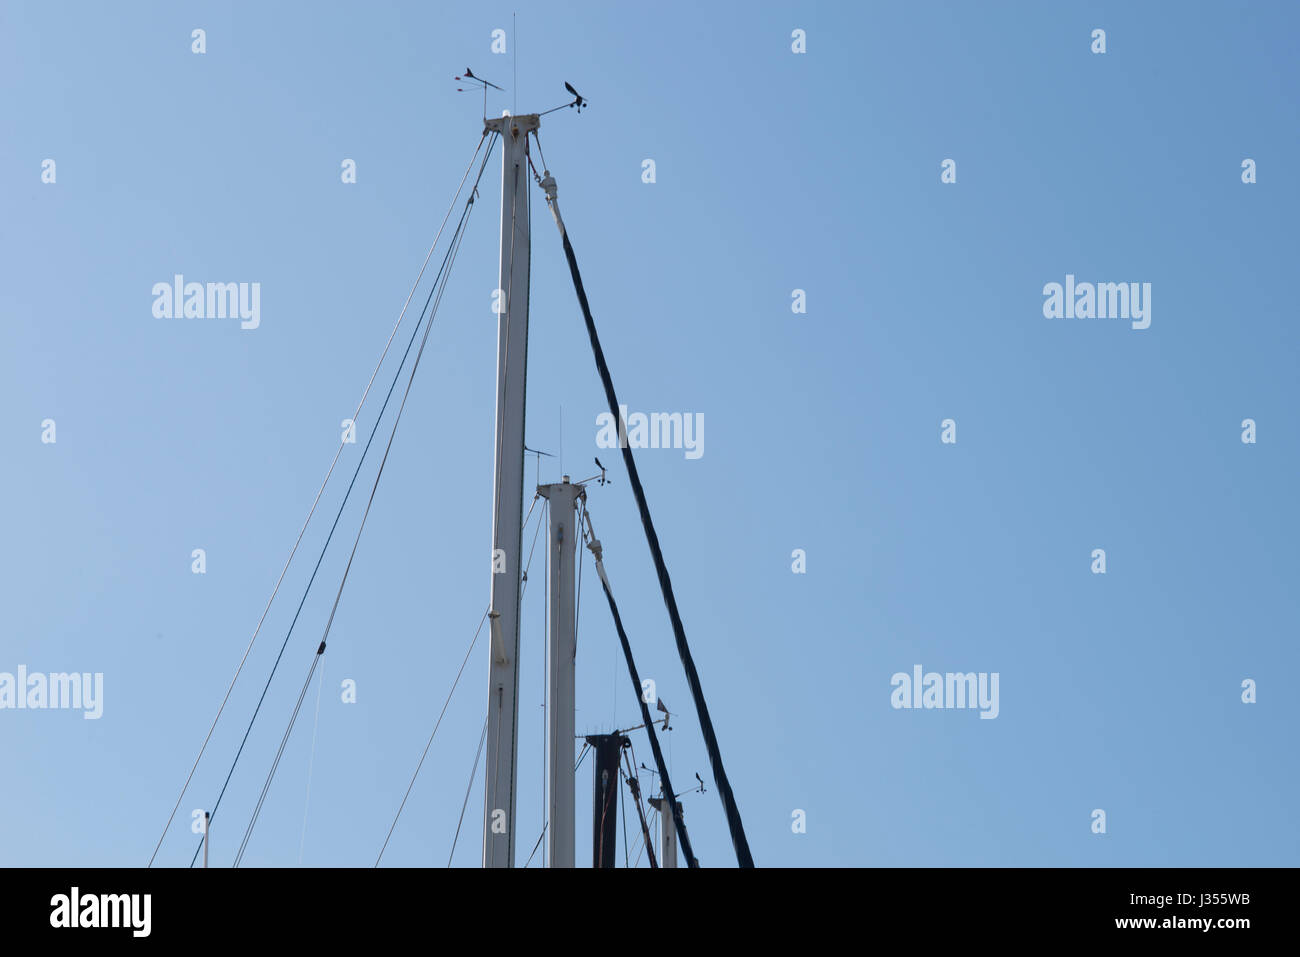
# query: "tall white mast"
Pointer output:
{"type": "Point", "coordinates": [561, 654]}
{"type": "Point", "coordinates": [507, 513]}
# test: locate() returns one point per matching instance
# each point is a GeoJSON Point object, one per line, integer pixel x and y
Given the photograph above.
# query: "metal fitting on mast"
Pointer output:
{"type": "Point", "coordinates": [594, 546]}
{"type": "Point", "coordinates": [549, 187]}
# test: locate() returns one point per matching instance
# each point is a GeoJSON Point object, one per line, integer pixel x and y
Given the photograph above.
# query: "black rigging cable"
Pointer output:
{"type": "Point", "coordinates": [682, 837]}
{"type": "Point", "coordinates": [741, 844]}
{"type": "Point", "coordinates": [635, 787]}
{"type": "Point", "coordinates": [652, 820]}
{"type": "Point", "coordinates": [536, 846]}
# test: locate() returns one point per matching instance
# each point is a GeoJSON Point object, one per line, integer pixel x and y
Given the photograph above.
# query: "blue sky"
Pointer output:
{"type": "Point", "coordinates": [775, 171]}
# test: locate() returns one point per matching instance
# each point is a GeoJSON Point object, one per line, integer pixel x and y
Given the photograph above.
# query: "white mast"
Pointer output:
{"type": "Point", "coordinates": [561, 653]}
{"type": "Point", "coordinates": [507, 513]}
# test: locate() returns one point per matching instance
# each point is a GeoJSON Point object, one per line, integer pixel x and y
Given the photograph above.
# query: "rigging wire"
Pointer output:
{"type": "Point", "coordinates": [483, 737]}
{"type": "Point", "coordinates": [312, 511]}
{"type": "Point", "coordinates": [536, 846]}
{"type": "Point", "coordinates": [650, 824]}
{"type": "Point", "coordinates": [586, 746]}
{"type": "Point", "coordinates": [540, 152]}
{"type": "Point", "coordinates": [739, 841]}
{"type": "Point", "coordinates": [581, 756]}
{"type": "Point", "coordinates": [577, 602]}
{"type": "Point", "coordinates": [439, 283]}
{"type": "Point", "coordinates": [541, 522]}
{"type": "Point", "coordinates": [429, 743]}
{"type": "Point", "coordinates": [622, 804]}
{"type": "Point", "coordinates": [444, 272]}
{"type": "Point", "coordinates": [448, 702]}
{"type": "Point", "coordinates": [472, 774]}
{"type": "Point", "coordinates": [527, 565]}
{"type": "Point", "coordinates": [635, 787]}
{"type": "Point", "coordinates": [531, 506]}
{"type": "Point", "coordinates": [680, 825]}
{"type": "Point", "coordinates": [315, 660]}
{"type": "Point", "coordinates": [311, 764]}
{"type": "Point", "coordinates": [311, 581]}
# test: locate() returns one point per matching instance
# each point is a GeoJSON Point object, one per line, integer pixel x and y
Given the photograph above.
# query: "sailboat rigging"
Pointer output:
{"type": "Point", "coordinates": [569, 527]}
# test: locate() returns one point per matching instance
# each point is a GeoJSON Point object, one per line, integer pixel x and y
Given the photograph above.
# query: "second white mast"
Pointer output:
{"type": "Point", "coordinates": [562, 651]}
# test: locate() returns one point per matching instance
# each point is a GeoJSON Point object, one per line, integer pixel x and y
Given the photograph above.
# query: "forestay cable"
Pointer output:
{"type": "Point", "coordinates": [682, 837]}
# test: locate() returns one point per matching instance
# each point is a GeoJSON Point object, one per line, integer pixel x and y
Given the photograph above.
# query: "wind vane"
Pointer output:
{"type": "Point", "coordinates": [469, 77]}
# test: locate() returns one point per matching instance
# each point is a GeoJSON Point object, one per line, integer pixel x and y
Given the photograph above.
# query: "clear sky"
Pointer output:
{"type": "Point", "coordinates": [774, 171]}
